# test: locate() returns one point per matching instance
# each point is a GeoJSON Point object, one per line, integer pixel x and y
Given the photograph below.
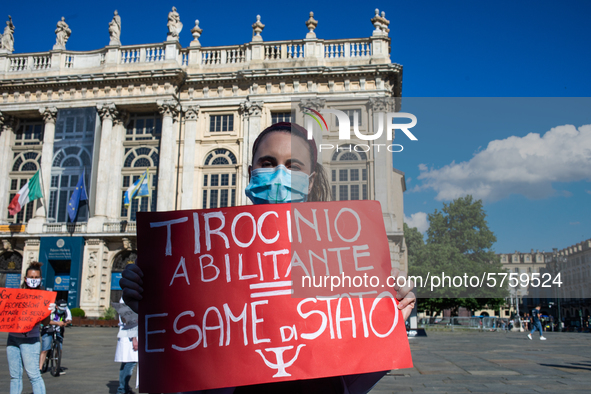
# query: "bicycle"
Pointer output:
{"type": "Point", "coordinates": [54, 355]}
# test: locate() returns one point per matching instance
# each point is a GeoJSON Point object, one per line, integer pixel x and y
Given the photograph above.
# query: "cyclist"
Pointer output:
{"type": "Point", "coordinates": [60, 317]}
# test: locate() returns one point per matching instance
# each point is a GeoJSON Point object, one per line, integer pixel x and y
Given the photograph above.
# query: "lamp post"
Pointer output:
{"type": "Point", "coordinates": [515, 292]}
{"type": "Point", "coordinates": [557, 262]}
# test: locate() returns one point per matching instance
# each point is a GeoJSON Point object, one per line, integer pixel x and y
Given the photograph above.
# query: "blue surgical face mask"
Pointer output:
{"type": "Point", "coordinates": [277, 185]}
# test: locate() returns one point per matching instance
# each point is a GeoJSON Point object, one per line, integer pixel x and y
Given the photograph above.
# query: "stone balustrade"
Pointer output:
{"type": "Point", "coordinates": [172, 55]}
{"type": "Point", "coordinates": [119, 227]}
{"type": "Point", "coordinates": [64, 228]}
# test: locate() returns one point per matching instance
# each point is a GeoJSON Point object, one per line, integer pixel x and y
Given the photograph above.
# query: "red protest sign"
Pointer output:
{"type": "Point", "coordinates": [218, 309]}
{"type": "Point", "coordinates": [22, 309]}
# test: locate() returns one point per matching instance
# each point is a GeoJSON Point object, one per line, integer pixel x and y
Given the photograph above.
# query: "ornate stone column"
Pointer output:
{"type": "Point", "coordinates": [169, 110]}
{"type": "Point", "coordinates": [382, 159]}
{"type": "Point", "coordinates": [191, 114]}
{"type": "Point", "coordinates": [118, 153]}
{"type": "Point", "coordinates": [30, 252]}
{"type": "Point", "coordinates": [6, 136]}
{"type": "Point", "coordinates": [49, 117]}
{"type": "Point", "coordinates": [251, 114]}
{"type": "Point", "coordinates": [107, 112]}
{"type": "Point", "coordinates": [95, 257]}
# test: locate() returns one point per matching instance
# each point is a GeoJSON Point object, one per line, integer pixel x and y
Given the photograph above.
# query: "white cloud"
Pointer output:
{"type": "Point", "coordinates": [516, 165]}
{"type": "Point", "coordinates": [588, 191]}
{"type": "Point", "coordinates": [574, 223]}
{"type": "Point", "coordinates": [418, 220]}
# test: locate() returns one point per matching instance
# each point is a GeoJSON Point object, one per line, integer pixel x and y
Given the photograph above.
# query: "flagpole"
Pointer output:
{"type": "Point", "coordinates": [45, 207]}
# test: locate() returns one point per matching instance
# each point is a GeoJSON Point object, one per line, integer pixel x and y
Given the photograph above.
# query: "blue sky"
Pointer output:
{"type": "Point", "coordinates": [449, 49]}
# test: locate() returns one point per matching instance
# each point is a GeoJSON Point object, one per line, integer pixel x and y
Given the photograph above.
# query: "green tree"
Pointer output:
{"type": "Point", "coordinates": [414, 240]}
{"type": "Point", "coordinates": [462, 224]}
{"type": "Point", "coordinates": [459, 244]}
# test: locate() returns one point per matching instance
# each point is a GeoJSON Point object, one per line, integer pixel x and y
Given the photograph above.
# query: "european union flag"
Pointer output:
{"type": "Point", "coordinates": [78, 195]}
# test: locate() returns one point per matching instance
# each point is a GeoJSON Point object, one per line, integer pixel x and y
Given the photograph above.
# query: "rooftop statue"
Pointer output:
{"type": "Point", "coordinates": [115, 29]}
{"type": "Point", "coordinates": [7, 40]}
{"type": "Point", "coordinates": [62, 33]}
{"type": "Point", "coordinates": [174, 25]}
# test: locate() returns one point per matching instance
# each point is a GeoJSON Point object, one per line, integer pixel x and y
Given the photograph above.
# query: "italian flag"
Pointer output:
{"type": "Point", "coordinates": [31, 191]}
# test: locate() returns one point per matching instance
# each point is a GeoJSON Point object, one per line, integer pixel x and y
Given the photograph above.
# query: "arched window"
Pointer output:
{"type": "Point", "coordinates": [220, 157]}
{"type": "Point", "coordinates": [219, 179]}
{"type": "Point", "coordinates": [24, 166]}
{"type": "Point", "coordinates": [349, 173]}
{"type": "Point", "coordinates": [68, 164]}
{"type": "Point", "coordinates": [136, 161]}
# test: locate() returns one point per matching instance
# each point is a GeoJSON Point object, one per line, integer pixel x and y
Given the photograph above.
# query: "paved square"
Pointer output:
{"type": "Point", "coordinates": [444, 362]}
{"type": "Point", "coordinates": [494, 362]}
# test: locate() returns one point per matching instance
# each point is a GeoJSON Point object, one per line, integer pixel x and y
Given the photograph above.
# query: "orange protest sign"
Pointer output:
{"type": "Point", "coordinates": [22, 309]}
{"type": "Point", "coordinates": [231, 295]}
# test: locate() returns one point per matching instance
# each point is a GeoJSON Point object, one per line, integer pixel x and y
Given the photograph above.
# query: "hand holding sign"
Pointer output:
{"type": "Point", "coordinates": [131, 282]}
{"type": "Point", "coordinates": [404, 294]}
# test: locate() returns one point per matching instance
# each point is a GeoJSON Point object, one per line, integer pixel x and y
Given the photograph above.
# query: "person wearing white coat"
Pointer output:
{"type": "Point", "coordinates": [126, 354]}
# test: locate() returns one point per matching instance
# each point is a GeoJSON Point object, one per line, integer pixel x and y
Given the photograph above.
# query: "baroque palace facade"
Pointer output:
{"type": "Point", "coordinates": [187, 115]}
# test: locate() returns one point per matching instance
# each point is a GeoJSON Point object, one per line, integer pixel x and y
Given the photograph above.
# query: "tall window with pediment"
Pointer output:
{"type": "Point", "coordinates": [24, 166]}
{"type": "Point", "coordinates": [68, 165]}
{"type": "Point", "coordinates": [142, 149]}
{"type": "Point", "coordinates": [75, 129]}
{"type": "Point", "coordinates": [137, 160]}
{"type": "Point", "coordinates": [25, 163]}
{"type": "Point", "coordinates": [219, 179]}
{"type": "Point", "coordinates": [29, 133]}
{"type": "Point", "coordinates": [349, 174]}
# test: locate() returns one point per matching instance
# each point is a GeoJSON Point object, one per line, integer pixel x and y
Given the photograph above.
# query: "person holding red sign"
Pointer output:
{"type": "Point", "coordinates": [285, 169]}
{"type": "Point", "coordinates": [23, 348]}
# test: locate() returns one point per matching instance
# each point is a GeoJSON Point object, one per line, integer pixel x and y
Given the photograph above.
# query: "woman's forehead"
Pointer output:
{"type": "Point", "coordinates": [284, 146]}
{"type": "Point", "coordinates": [34, 273]}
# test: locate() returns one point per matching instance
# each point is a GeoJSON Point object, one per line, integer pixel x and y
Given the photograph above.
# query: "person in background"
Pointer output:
{"type": "Point", "coordinates": [126, 354]}
{"type": "Point", "coordinates": [60, 317]}
{"type": "Point", "coordinates": [537, 325]}
{"type": "Point", "coordinates": [23, 348]}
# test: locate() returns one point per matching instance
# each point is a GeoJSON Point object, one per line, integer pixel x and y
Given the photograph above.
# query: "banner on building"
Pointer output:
{"type": "Point", "coordinates": [219, 308]}
{"type": "Point", "coordinates": [22, 309]}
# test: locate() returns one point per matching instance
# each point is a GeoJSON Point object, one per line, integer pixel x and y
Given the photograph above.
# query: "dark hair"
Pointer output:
{"type": "Point", "coordinates": [33, 266]}
{"type": "Point", "coordinates": [321, 187]}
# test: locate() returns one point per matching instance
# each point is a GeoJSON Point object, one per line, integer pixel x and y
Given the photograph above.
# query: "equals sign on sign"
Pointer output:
{"type": "Point", "coordinates": [269, 289]}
